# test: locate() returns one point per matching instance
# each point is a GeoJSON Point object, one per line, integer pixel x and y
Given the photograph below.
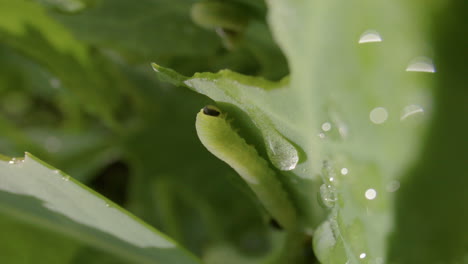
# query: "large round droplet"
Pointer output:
{"type": "Point", "coordinates": [370, 194]}
{"type": "Point", "coordinates": [378, 115]}
{"type": "Point", "coordinates": [281, 152]}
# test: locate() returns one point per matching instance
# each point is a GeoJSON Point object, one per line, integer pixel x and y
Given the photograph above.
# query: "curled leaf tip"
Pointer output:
{"type": "Point", "coordinates": [155, 67]}
{"type": "Point", "coordinates": [169, 75]}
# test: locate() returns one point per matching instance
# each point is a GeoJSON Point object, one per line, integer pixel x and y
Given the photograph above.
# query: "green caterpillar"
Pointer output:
{"type": "Point", "coordinates": [217, 135]}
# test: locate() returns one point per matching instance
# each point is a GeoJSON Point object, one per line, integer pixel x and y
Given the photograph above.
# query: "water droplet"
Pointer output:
{"type": "Point", "coordinates": [344, 171]}
{"type": "Point", "coordinates": [327, 193]}
{"type": "Point", "coordinates": [326, 126]}
{"type": "Point", "coordinates": [370, 36]}
{"type": "Point", "coordinates": [322, 136]}
{"type": "Point", "coordinates": [421, 64]}
{"type": "Point", "coordinates": [370, 194]}
{"type": "Point", "coordinates": [56, 171]}
{"type": "Point", "coordinates": [328, 173]}
{"type": "Point", "coordinates": [362, 255]}
{"type": "Point", "coordinates": [411, 110]}
{"type": "Point", "coordinates": [378, 115]}
{"type": "Point", "coordinates": [393, 186]}
{"type": "Point", "coordinates": [16, 161]}
{"type": "Point", "coordinates": [281, 152]}
{"type": "Point", "coordinates": [343, 130]}
{"type": "Point", "coordinates": [107, 205]}
{"type": "Point", "coordinates": [66, 178]}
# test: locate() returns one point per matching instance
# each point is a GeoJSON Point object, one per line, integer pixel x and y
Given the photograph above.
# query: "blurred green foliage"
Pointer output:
{"type": "Point", "coordinates": [77, 90]}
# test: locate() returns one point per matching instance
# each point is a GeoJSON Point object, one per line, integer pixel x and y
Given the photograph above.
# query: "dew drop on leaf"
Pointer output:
{"type": "Point", "coordinates": [371, 194]}
{"type": "Point", "coordinates": [14, 161]}
{"type": "Point", "coordinates": [421, 64]}
{"type": "Point", "coordinates": [378, 115]}
{"type": "Point", "coordinates": [327, 194]}
{"type": "Point", "coordinates": [370, 36]}
{"type": "Point", "coordinates": [410, 111]}
{"type": "Point", "coordinates": [343, 130]}
{"type": "Point", "coordinates": [281, 152]}
{"type": "Point", "coordinates": [326, 126]}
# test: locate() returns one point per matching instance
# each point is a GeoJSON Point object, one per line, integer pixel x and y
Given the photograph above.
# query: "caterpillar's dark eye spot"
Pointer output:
{"type": "Point", "coordinates": [275, 224]}
{"type": "Point", "coordinates": [210, 111]}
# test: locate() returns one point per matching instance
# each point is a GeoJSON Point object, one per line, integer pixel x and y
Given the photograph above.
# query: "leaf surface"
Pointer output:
{"type": "Point", "coordinates": [38, 194]}
{"type": "Point", "coordinates": [356, 117]}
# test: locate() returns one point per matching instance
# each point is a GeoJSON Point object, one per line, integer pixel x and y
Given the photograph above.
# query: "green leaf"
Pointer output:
{"type": "Point", "coordinates": [431, 208]}
{"type": "Point", "coordinates": [40, 195]}
{"type": "Point", "coordinates": [380, 148]}
{"type": "Point", "coordinates": [180, 44]}
{"type": "Point", "coordinates": [189, 202]}
{"type": "Point", "coordinates": [256, 97]}
{"type": "Point", "coordinates": [92, 80]}
{"type": "Point", "coordinates": [357, 110]}
{"type": "Point", "coordinates": [23, 243]}
{"type": "Point", "coordinates": [147, 35]}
